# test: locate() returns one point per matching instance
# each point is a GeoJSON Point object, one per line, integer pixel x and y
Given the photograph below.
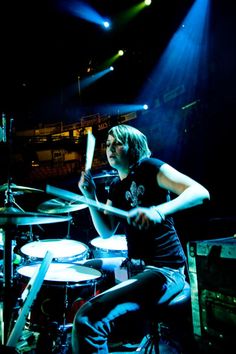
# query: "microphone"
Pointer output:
{"type": "Point", "coordinates": [4, 128]}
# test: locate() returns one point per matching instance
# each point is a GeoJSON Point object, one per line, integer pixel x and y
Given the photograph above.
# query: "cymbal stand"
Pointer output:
{"type": "Point", "coordinates": [30, 226]}
{"type": "Point", "coordinates": [10, 201]}
{"type": "Point", "coordinates": [68, 227]}
{"type": "Point", "coordinates": [8, 298]}
{"type": "Point", "coordinates": [9, 231]}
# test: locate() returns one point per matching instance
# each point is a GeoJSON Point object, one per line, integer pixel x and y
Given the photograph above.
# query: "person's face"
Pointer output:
{"type": "Point", "coordinates": [117, 153]}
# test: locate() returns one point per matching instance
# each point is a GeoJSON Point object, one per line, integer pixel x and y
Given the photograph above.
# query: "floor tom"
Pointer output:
{"type": "Point", "coordinates": [64, 285]}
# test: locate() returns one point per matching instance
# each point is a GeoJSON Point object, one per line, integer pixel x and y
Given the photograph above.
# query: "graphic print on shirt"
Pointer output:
{"type": "Point", "coordinates": [134, 194]}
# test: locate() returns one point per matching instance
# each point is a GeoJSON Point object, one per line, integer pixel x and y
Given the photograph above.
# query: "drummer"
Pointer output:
{"type": "Point", "coordinates": [156, 260]}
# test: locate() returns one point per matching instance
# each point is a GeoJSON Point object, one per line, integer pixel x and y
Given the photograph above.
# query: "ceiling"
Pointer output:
{"type": "Point", "coordinates": [46, 46]}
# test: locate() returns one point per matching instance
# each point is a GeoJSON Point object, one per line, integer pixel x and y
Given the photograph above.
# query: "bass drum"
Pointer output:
{"type": "Point", "coordinates": [64, 251]}
{"type": "Point", "coordinates": [114, 246]}
{"type": "Point", "coordinates": [64, 285]}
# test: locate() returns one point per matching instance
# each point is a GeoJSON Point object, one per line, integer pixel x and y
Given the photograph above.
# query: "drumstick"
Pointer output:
{"type": "Point", "coordinates": [61, 193]}
{"type": "Point", "coordinates": [32, 288]}
{"type": "Point", "coordinates": [89, 151]}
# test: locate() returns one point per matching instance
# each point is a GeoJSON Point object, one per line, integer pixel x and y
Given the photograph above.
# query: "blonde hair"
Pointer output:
{"type": "Point", "coordinates": [134, 139]}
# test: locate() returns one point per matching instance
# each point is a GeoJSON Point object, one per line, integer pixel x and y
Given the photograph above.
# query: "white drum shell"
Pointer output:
{"type": "Point", "coordinates": [63, 250]}
{"type": "Point", "coordinates": [66, 286]}
{"type": "Point", "coordinates": [114, 246]}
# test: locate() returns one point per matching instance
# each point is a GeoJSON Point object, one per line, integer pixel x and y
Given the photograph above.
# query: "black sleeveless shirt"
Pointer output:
{"type": "Point", "coordinates": [159, 245]}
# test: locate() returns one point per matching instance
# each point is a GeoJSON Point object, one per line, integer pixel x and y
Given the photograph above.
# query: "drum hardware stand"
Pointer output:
{"type": "Point", "coordinates": [10, 194]}
{"type": "Point", "coordinates": [8, 269]}
{"type": "Point", "coordinates": [10, 202]}
{"type": "Point", "coordinates": [8, 282]}
{"type": "Point", "coordinates": [10, 218]}
{"type": "Point", "coordinates": [68, 228]}
{"type": "Point", "coordinates": [28, 296]}
{"type": "Point", "coordinates": [65, 327]}
{"type": "Point", "coordinates": [9, 235]}
{"type": "Point", "coordinates": [53, 337]}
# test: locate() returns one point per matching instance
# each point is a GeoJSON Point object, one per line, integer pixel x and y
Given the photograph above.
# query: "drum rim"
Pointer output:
{"type": "Point", "coordinates": [98, 274]}
{"type": "Point", "coordinates": [106, 249]}
{"type": "Point", "coordinates": [74, 255]}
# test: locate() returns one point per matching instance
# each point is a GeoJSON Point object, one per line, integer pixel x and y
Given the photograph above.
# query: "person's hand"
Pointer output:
{"type": "Point", "coordinates": [86, 185]}
{"type": "Point", "coordinates": [143, 218]}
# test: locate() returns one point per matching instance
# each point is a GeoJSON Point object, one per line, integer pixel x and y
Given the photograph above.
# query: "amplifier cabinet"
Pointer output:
{"type": "Point", "coordinates": [212, 275]}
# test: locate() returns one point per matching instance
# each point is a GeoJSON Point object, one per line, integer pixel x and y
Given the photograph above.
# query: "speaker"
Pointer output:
{"type": "Point", "coordinates": [212, 266]}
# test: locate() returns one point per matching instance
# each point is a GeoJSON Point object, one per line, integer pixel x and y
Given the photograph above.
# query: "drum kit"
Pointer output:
{"type": "Point", "coordinates": [48, 264]}
{"type": "Point", "coordinates": [62, 259]}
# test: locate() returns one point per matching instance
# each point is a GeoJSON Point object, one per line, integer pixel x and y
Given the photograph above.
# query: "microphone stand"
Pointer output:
{"type": "Point", "coordinates": [8, 282]}
{"type": "Point", "coordinates": [9, 235]}
{"type": "Point", "coordinates": [9, 232]}
{"type": "Point", "coordinates": [68, 228]}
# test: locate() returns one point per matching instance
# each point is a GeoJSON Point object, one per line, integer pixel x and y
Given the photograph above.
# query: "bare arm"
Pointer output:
{"type": "Point", "coordinates": [105, 224]}
{"type": "Point", "coordinates": [189, 193]}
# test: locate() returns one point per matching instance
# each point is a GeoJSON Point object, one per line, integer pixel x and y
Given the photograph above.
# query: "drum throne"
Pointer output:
{"type": "Point", "coordinates": [168, 331]}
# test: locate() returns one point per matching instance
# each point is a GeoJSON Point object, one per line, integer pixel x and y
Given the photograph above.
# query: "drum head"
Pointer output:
{"type": "Point", "coordinates": [113, 243]}
{"type": "Point", "coordinates": [62, 272]}
{"type": "Point", "coordinates": [59, 247]}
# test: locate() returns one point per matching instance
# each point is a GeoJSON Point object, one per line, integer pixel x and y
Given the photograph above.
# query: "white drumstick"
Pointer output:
{"type": "Point", "coordinates": [70, 196]}
{"type": "Point", "coordinates": [90, 151]}
{"type": "Point", "coordinates": [32, 288]}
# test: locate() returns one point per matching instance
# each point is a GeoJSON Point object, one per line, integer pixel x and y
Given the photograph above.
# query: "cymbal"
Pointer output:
{"type": "Point", "coordinates": [14, 216]}
{"type": "Point", "coordinates": [18, 189]}
{"type": "Point", "coordinates": [59, 206]}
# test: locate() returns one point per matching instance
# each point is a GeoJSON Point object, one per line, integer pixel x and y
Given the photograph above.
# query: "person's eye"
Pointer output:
{"type": "Point", "coordinates": [118, 143]}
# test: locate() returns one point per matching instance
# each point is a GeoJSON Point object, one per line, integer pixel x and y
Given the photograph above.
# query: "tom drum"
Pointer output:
{"type": "Point", "coordinates": [64, 251]}
{"type": "Point", "coordinates": [114, 246]}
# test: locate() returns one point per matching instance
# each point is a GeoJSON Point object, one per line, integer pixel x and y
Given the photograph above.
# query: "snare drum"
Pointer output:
{"type": "Point", "coordinates": [63, 250]}
{"type": "Point", "coordinates": [64, 283]}
{"type": "Point", "coordinates": [114, 246]}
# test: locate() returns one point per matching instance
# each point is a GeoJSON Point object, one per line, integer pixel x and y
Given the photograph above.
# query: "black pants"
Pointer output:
{"type": "Point", "coordinates": [96, 319]}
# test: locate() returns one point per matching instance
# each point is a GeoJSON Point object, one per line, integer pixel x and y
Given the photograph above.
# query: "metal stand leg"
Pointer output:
{"type": "Point", "coordinates": [8, 293]}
